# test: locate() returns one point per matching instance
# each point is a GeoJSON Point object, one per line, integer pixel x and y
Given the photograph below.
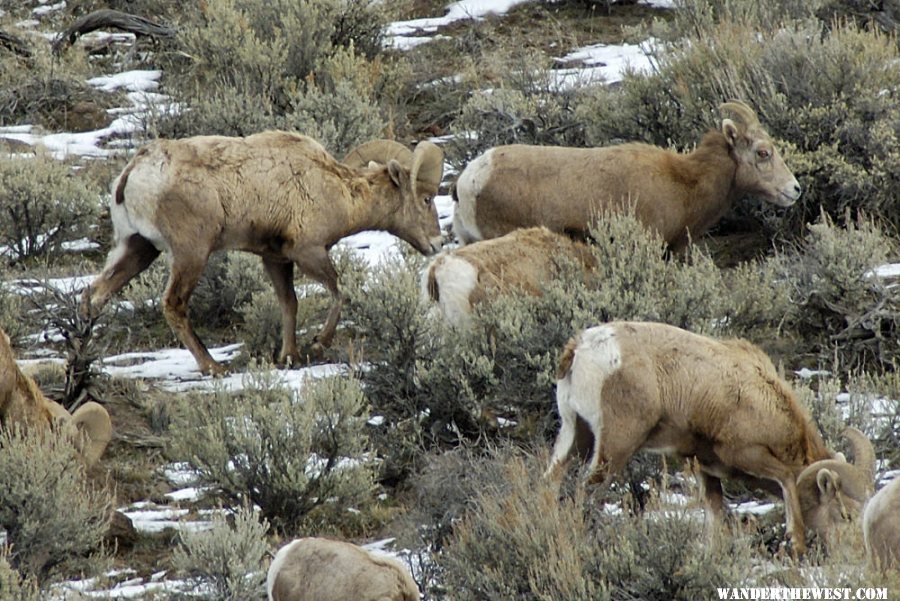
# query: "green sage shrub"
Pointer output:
{"type": "Point", "coordinates": [43, 205]}
{"type": "Point", "coordinates": [225, 561]}
{"type": "Point", "coordinates": [307, 66]}
{"type": "Point", "coordinates": [13, 587]}
{"type": "Point", "coordinates": [529, 105]}
{"type": "Point", "coordinates": [52, 512]}
{"type": "Point", "coordinates": [290, 452]}
{"type": "Point", "coordinates": [519, 540]}
{"type": "Point", "coordinates": [844, 308]}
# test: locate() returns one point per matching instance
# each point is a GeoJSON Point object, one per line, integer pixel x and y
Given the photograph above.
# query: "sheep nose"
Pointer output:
{"type": "Point", "coordinates": [797, 190]}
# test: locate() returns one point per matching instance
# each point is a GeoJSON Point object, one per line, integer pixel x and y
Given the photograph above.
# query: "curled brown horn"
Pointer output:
{"type": "Point", "coordinates": [427, 166]}
{"type": "Point", "coordinates": [380, 151]}
{"type": "Point", "coordinates": [863, 452]}
{"type": "Point", "coordinates": [740, 112]}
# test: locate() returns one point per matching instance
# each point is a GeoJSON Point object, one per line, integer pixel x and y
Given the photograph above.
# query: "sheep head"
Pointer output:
{"type": "Point", "coordinates": [417, 219]}
{"type": "Point", "coordinates": [832, 490]}
{"type": "Point", "coordinates": [417, 174]}
{"type": "Point", "coordinates": [760, 169]}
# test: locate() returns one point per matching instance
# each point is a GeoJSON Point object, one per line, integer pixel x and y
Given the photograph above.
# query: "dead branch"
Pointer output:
{"type": "Point", "coordinates": [107, 18]}
{"type": "Point", "coordinates": [15, 44]}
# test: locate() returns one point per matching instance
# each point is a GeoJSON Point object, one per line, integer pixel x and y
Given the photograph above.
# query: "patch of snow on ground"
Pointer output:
{"type": "Point", "coordinates": [71, 285]}
{"type": "Point", "coordinates": [151, 518]}
{"type": "Point", "coordinates": [176, 371]}
{"type": "Point", "coordinates": [132, 81]}
{"type": "Point", "coordinates": [457, 11]}
{"type": "Point", "coordinates": [128, 586]}
{"type": "Point", "coordinates": [604, 63]}
{"type": "Point", "coordinates": [753, 507]}
{"type": "Point", "coordinates": [88, 144]}
{"type": "Point", "coordinates": [40, 11]}
{"type": "Point", "coordinates": [891, 270]}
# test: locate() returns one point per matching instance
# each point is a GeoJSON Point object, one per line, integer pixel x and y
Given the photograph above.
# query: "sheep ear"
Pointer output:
{"type": "Point", "coordinates": [731, 131]}
{"type": "Point", "coordinates": [829, 483]}
{"type": "Point", "coordinates": [399, 175]}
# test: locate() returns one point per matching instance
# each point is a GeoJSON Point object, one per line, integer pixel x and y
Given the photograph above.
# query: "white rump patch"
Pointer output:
{"type": "Point", "coordinates": [456, 279]}
{"type": "Point", "coordinates": [137, 215]}
{"type": "Point", "coordinates": [597, 356]}
{"type": "Point", "coordinates": [276, 565]}
{"type": "Point", "coordinates": [469, 185]}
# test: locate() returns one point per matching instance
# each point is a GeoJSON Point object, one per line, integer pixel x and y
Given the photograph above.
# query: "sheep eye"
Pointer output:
{"type": "Point", "coordinates": [428, 200]}
{"type": "Point", "coordinates": [763, 154]}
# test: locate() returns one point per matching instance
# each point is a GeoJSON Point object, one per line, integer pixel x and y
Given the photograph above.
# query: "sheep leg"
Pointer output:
{"type": "Point", "coordinates": [186, 271]}
{"type": "Point", "coordinates": [565, 442]}
{"type": "Point", "coordinates": [759, 461]}
{"type": "Point", "coordinates": [281, 274]}
{"type": "Point", "coordinates": [316, 263]}
{"type": "Point", "coordinates": [715, 497]}
{"type": "Point", "coordinates": [131, 256]}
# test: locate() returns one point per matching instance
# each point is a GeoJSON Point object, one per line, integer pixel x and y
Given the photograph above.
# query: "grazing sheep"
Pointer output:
{"type": "Point", "coordinates": [522, 260]}
{"type": "Point", "coordinates": [317, 569]}
{"type": "Point", "coordinates": [275, 194]}
{"type": "Point", "coordinates": [657, 387]}
{"type": "Point", "coordinates": [21, 402]}
{"type": "Point", "coordinates": [881, 527]}
{"type": "Point", "coordinates": [677, 195]}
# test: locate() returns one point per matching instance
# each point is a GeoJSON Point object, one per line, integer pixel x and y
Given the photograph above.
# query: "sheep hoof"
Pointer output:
{"type": "Point", "coordinates": [213, 369]}
{"type": "Point", "coordinates": [290, 359]}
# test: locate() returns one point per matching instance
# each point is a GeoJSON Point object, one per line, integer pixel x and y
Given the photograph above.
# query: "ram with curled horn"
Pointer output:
{"type": "Point", "coordinates": [680, 196]}
{"type": "Point", "coordinates": [276, 194]}
{"type": "Point", "coordinates": [652, 386]}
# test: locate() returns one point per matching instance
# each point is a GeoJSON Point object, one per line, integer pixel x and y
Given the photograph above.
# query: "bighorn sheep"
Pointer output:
{"type": "Point", "coordinates": [657, 387]}
{"type": "Point", "coordinates": [21, 402]}
{"type": "Point", "coordinates": [275, 194]}
{"type": "Point", "coordinates": [678, 195]}
{"type": "Point", "coordinates": [317, 569]}
{"type": "Point", "coordinates": [522, 260]}
{"type": "Point", "coordinates": [881, 527]}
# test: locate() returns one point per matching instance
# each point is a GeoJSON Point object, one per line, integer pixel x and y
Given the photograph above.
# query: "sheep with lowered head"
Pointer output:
{"type": "Point", "coordinates": [881, 527]}
{"type": "Point", "coordinates": [678, 195]}
{"type": "Point", "coordinates": [317, 569]}
{"type": "Point", "coordinates": [23, 403]}
{"type": "Point", "coordinates": [523, 261]}
{"type": "Point", "coordinates": [627, 386]}
{"type": "Point", "coordinates": [276, 194]}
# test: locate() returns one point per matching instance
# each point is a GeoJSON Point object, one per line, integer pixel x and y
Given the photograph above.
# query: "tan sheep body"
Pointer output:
{"type": "Point", "coordinates": [881, 527]}
{"type": "Point", "coordinates": [678, 195]}
{"type": "Point", "coordinates": [276, 194]}
{"type": "Point", "coordinates": [657, 387]}
{"type": "Point", "coordinates": [23, 403]}
{"type": "Point", "coordinates": [523, 261]}
{"type": "Point", "coordinates": [317, 569]}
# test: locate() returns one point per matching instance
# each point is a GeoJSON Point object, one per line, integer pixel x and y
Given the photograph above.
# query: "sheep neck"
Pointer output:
{"type": "Point", "coordinates": [374, 207]}
{"type": "Point", "coordinates": [711, 171]}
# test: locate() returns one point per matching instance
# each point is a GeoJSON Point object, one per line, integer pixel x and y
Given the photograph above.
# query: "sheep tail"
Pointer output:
{"type": "Point", "coordinates": [432, 286]}
{"type": "Point", "coordinates": [568, 356]}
